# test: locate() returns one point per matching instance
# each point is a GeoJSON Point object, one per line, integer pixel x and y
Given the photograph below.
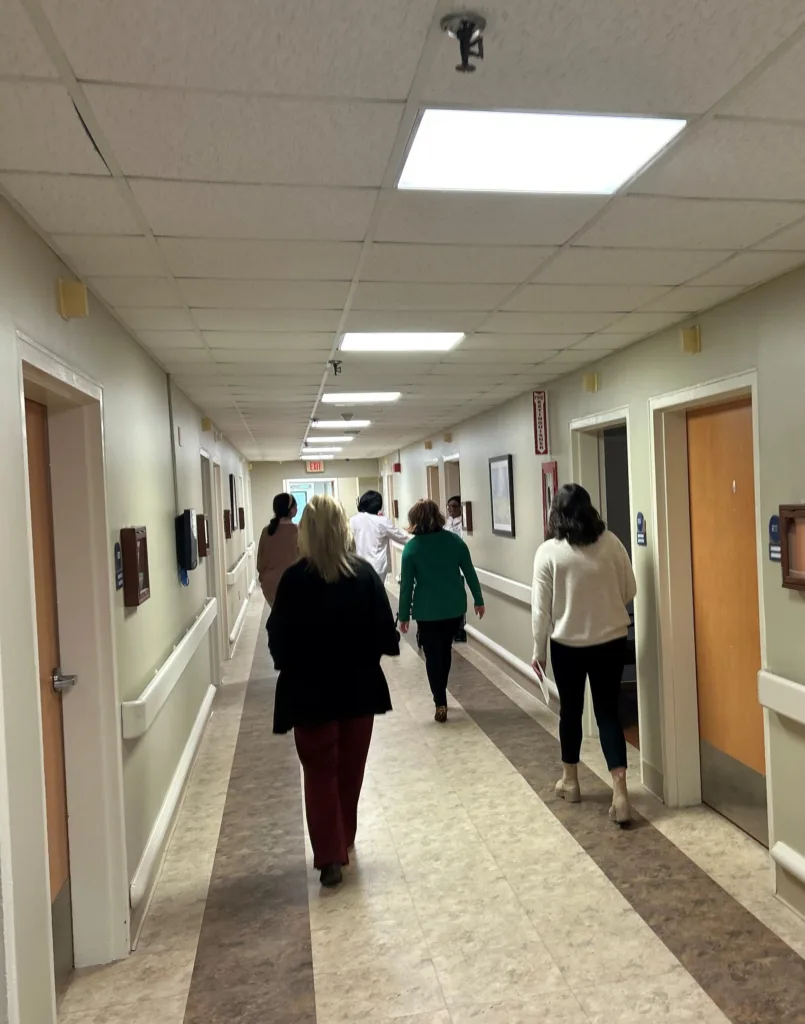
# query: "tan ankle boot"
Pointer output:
{"type": "Point", "coordinates": [621, 810]}
{"type": "Point", "coordinates": [568, 786]}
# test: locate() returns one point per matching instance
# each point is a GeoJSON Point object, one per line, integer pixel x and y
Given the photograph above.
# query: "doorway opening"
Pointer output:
{"type": "Point", "coordinates": [707, 566]}
{"type": "Point", "coordinates": [452, 477]}
{"type": "Point", "coordinates": [434, 490]}
{"type": "Point", "coordinates": [219, 556]}
{"type": "Point", "coordinates": [77, 703]}
{"type": "Point", "coordinates": [601, 465]}
{"type": "Point", "coordinates": [303, 490]}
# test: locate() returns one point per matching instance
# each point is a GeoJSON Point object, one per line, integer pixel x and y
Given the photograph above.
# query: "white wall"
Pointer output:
{"type": "Point", "coordinates": [139, 486]}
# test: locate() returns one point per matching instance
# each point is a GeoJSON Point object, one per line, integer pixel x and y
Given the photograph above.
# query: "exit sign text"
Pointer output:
{"type": "Point", "coordinates": [315, 467]}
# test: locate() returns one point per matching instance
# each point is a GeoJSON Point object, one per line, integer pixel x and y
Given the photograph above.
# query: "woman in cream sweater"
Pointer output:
{"type": "Point", "coordinates": [583, 582]}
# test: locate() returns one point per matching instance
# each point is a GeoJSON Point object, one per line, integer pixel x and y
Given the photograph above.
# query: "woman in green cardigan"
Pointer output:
{"type": "Point", "coordinates": [435, 565]}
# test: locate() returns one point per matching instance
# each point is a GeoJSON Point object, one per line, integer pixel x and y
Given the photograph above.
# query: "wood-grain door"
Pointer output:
{"type": "Point", "coordinates": [726, 616]}
{"type": "Point", "coordinates": [47, 631]}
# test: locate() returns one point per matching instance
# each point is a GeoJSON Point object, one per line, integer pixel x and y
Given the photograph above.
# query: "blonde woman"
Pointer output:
{"type": "Point", "coordinates": [330, 624]}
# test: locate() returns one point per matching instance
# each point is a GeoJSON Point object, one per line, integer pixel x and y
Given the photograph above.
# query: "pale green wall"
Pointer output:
{"type": "Point", "coordinates": [139, 487]}
{"type": "Point", "coordinates": [761, 330]}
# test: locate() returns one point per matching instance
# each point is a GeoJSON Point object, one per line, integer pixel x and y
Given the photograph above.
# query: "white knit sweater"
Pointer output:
{"type": "Point", "coordinates": [579, 594]}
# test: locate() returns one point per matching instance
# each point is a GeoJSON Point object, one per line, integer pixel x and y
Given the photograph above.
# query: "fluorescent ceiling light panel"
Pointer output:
{"type": "Point", "coordinates": [360, 397]}
{"type": "Point", "coordinates": [400, 342]}
{"type": "Point", "coordinates": [497, 151]}
{"type": "Point", "coordinates": [339, 424]}
{"type": "Point", "coordinates": [312, 439]}
{"type": "Point", "coordinates": [321, 451]}
{"type": "Point", "coordinates": [318, 458]}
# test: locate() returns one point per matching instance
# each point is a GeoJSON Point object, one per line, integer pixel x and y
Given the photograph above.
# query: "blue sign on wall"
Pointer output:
{"type": "Point", "coordinates": [641, 530]}
{"type": "Point", "coordinates": [775, 551]}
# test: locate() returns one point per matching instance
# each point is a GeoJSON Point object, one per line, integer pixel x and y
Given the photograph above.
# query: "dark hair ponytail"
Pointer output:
{"type": "Point", "coordinates": [283, 503]}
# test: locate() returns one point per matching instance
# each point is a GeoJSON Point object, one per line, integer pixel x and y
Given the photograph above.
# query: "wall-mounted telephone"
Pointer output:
{"type": "Point", "coordinates": [187, 539]}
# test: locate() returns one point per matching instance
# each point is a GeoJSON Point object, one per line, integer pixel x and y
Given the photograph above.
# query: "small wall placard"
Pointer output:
{"type": "Point", "coordinates": [136, 576]}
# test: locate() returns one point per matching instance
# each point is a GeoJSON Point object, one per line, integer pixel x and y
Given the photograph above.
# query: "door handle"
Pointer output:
{"type": "Point", "coordinates": [62, 683]}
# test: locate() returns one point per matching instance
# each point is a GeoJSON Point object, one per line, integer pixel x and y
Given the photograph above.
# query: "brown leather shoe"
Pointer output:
{"type": "Point", "coordinates": [441, 715]}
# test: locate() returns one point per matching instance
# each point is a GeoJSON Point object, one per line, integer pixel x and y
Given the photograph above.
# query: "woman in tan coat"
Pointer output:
{"type": "Point", "coordinates": [277, 550]}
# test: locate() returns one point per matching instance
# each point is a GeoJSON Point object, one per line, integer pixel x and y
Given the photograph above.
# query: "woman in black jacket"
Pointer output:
{"type": "Point", "coordinates": [330, 624]}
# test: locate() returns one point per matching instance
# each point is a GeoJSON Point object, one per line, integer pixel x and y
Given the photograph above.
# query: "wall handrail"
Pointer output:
{"type": "Point", "coordinates": [493, 581]}
{"type": "Point", "coordinates": [138, 715]}
{"type": "Point", "coordinates": [781, 695]}
{"type": "Point", "coordinates": [789, 859]}
{"type": "Point", "coordinates": [230, 573]}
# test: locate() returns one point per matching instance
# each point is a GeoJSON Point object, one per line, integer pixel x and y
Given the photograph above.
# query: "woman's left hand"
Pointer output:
{"type": "Point", "coordinates": [404, 627]}
{"type": "Point", "coordinates": [480, 611]}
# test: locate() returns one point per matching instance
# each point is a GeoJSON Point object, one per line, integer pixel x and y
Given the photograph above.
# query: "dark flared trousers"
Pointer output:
{"type": "Point", "coordinates": [333, 757]}
{"type": "Point", "coordinates": [436, 638]}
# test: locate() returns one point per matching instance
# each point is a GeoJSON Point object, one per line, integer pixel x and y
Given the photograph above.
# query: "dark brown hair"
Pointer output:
{"type": "Point", "coordinates": [574, 518]}
{"type": "Point", "coordinates": [425, 517]}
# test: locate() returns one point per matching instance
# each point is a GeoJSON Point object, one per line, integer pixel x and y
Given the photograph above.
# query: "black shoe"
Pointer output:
{"type": "Point", "coordinates": [461, 637]}
{"type": "Point", "coordinates": [331, 876]}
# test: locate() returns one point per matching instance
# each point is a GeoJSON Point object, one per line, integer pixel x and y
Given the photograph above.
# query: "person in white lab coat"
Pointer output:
{"type": "Point", "coordinates": [373, 531]}
{"type": "Point", "coordinates": [455, 524]}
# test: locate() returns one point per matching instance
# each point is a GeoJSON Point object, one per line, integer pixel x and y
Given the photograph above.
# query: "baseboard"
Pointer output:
{"type": "Point", "coordinates": [653, 781]}
{"type": "Point", "coordinates": [143, 879]}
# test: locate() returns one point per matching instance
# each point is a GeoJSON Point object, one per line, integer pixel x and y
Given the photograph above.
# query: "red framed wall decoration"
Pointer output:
{"type": "Point", "coordinates": [550, 485]}
{"type": "Point", "coordinates": [541, 438]}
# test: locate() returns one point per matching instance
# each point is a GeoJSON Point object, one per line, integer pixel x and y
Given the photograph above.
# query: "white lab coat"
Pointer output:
{"type": "Point", "coordinates": [372, 535]}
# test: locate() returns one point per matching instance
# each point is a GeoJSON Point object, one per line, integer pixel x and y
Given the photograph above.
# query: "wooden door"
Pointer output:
{"type": "Point", "coordinates": [434, 492]}
{"type": "Point", "coordinates": [47, 631]}
{"type": "Point", "coordinates": [726, 617]}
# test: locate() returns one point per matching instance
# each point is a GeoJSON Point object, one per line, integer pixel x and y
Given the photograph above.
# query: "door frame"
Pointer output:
{"type": "Point", "coordinates": [208, 485]}
{"type": "Point", "coordinates": [586, 467]}
{"type": "Point", "coordinates": [673, 578]}
{"type": "Point", "coordinates": [86, 601]}
{"type": "Point", "coordinates": [219, 554]}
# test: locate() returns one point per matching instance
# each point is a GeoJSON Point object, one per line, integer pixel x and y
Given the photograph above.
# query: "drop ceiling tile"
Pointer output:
{"type": "Point", "coordinates": [154, 319]}
{"type": "Point", "coordinates": [690, 299]}
{"type": "Point", "coordinates": [483, 219]}
{"type": "Point", "coordinates": [370, 49]}
{"type": "Point", "coordinates": [651, 223]}
{"type": "Point", "coordinates": [124, 256]}
{"type": "Point", "coordinates": [532, 342]}
{"type": "Point", "coordinates": [644, 323]}
{"type": "Point", "coordinates": [215, 137]}
{"type": "Point", "coordinates": [287, 321]}
{"type": "Point", "coordinates": [136, 291]}
{"type": "Point", "coordinates": [43, 132]}
{"type": "Point", "coordinates": [276, 357]}
{"type": "Point", "coordinates": [792, 238]}
{"type": "Point", "coordinates": [197, 209]}
{"type": "Point", "coordinates": [749, 268]}
{"type": "Point", "coordinates": [322, 342]}
{"type": "Point", "coordinates": [170, 357]}
{"type": "Point", "coordinates": [548, 323]}
{"type": "Point", "coordinates": [253, 259]}
{"type": "Point", "coordinates": [778, 91]}
{"type": "Point", "coordinates": [732, 160]}
{"type": "Point", "coordinates": [576, 357]}
{"type": "Point", "coordinates": [21, 51]}
{"type": "Point", "coordinates": [553, 298]}
{"type": "Point", "coordinates": [501, 355]}
{"type": "Point", "coordinates": [415, 320]}
{"type": "Point", "coordinates": [190, 374]}
{"type": "Point", "coordinates": [412, 295]}
{"type": "Point", "coordinates": [492, 264]}
{"type": "Point", "coordinates": [226, 294]}
{"type": "Point", "coordinates": [615, 55]}
{"type": "Point", "coordinates": [608, 342]}
{"type": "Point", "coordinates": [168, 340]}
{"type": "Point", "coordinates": [628, 266]}
{"type": "Point", "coordinates": [67, 204]}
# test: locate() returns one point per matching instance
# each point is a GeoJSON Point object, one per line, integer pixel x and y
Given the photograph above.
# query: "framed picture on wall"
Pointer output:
{"type": "Point", "coordinates": [501, 491]}
{"type": "Point", "coordinates": [550, 485]}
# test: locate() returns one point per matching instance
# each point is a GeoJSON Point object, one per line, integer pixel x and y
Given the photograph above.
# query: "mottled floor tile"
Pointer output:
{"type": "Point", "coordinates": [162, 976]}
{"type": "Point", "coordinates": [547, 1009]}
{"type": "Point", "coordinates": [387, 989]}
{"type": "Point", "coordinates": [674, 998]}
{"type": "Point", "coordinates": [144, 1011]}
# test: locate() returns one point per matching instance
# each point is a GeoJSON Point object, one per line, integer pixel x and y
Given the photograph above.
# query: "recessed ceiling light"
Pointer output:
{"type": "Point", "coordinates": [401, 342]}
{"type": "Point", "coordinates": [319, 458]}
{"type": "Point", "coordinates": [528, 152]}
{"type": "Point", "coordinates": [321, 451]}
{"type": "Point", "coordinates": [360, 397]}
{"type": "Point", "coordinates": [312, 439]}
{"type": "Point", "coordinates": [339, 424]}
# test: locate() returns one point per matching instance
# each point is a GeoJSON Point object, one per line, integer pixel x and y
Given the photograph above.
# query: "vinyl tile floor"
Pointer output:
{"type": "Point", "coordinates": [474, 896]}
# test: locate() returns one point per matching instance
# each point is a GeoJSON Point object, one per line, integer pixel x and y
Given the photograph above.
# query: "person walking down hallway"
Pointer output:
{"type": "Point", "coordinates": [435, 565]}
{"type": "Point", "coordinates": [583, 582]}
{"type": "Point", "coordinates": [330, 624]}
{"type": "Point", "coordinates": [373, 531]}
{"type": "Point", "coordinates": [277, 549]}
